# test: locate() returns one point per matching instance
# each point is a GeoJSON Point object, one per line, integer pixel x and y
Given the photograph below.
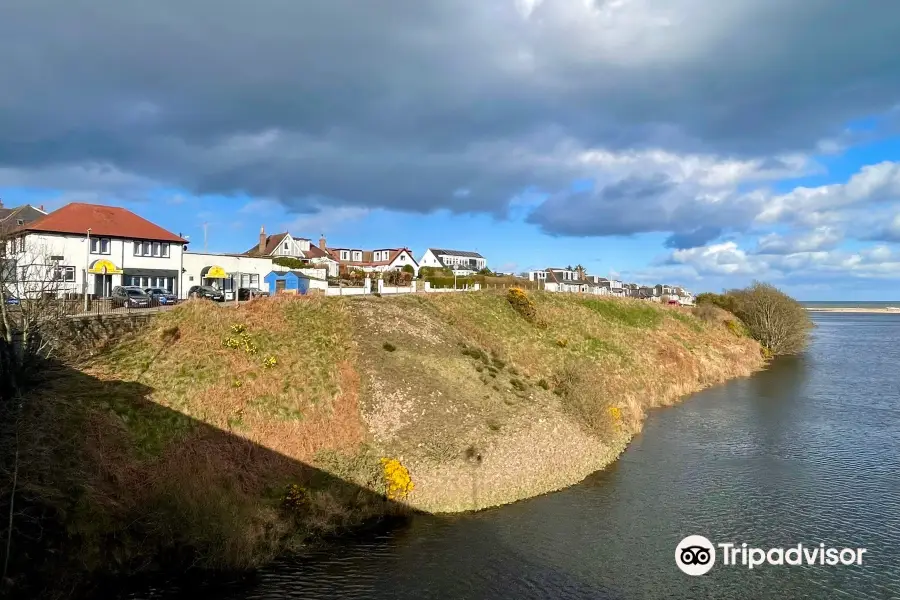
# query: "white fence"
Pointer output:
{"type": "Point", "coordinates": [393, 289]}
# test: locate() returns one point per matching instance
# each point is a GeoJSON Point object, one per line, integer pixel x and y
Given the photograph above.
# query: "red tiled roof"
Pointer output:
{"type": "Point", "coordinates": [103, 221]}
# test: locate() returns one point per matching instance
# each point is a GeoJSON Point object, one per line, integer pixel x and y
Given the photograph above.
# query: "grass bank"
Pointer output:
{"type": "Point", "coordinates": [221, 436]}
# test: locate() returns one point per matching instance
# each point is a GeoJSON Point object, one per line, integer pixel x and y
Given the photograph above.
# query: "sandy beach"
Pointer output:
{"type": "Point", "coordinates": [860, 309]}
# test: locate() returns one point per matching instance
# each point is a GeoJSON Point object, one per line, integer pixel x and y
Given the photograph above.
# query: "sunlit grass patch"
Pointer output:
{"type": "Point", "coordinates": [630, 313]}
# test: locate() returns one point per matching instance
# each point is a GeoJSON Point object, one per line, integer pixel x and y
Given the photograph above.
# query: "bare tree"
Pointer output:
{"type": "Point", "coordinates": [32, 285]}
{"type": "Point", "coordinates": [31, 310]}
{"type": "Point", "coordinates": [774, 319]}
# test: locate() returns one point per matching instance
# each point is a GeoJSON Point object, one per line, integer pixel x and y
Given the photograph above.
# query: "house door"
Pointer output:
{"type": "Point", "coordinates": [280, 285]}
{"type": "Point", "coordinates": [102, 286]}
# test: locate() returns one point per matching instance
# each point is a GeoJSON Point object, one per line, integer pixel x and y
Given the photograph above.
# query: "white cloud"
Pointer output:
{"type": "Point", "coordinates": [872, 184]}
{"type": "Point", "coordinates": [820, 238]}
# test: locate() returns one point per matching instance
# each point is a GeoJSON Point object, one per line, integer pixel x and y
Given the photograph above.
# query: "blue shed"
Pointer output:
{"type": "Point", "coordinates": [287, 281]}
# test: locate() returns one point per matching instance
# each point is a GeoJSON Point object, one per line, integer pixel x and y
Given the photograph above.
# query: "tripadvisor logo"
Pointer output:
{"type": "Point", "coordinates": [696, 555]}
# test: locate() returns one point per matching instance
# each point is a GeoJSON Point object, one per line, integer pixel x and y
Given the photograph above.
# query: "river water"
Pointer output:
{"type": "Point", "coordinates": [805, 452]}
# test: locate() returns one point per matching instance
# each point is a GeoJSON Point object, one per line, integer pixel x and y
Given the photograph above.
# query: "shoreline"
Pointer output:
{"type": "Point", "coordinates": [857, 309]}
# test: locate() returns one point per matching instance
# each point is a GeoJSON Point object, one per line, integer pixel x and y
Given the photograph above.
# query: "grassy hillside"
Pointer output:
{"type": "Point", "coordinates": [222, 435]}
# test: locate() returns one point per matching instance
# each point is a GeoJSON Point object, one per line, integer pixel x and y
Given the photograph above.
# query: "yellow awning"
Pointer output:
{"type": "Point", "coordinates": [104, 267]}
{"type": "Point", "coordinates": [215, 272]}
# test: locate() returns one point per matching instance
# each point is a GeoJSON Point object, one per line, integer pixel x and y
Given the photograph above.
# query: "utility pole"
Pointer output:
{"type": "Point", "coordinates": [87, 267]}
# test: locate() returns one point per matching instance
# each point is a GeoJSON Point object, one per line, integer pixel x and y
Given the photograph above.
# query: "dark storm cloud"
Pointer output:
{"type": "Point", "coordinates": [692, 238]}
{"type": "Point", "coordinates": [402, 104]}
{"type": "Point", "coordinates": [643, 204]}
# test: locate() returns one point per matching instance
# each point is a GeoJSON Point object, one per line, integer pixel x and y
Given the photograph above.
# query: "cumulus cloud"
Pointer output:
{"type": "Point", "coordinates": [729, 262]}
{"type": "Point", "coordinates": [873, 184]}
{"type": "Point", "coordinates": [401, 104]}
{"type": "Point", "coordinates": [821, 238]}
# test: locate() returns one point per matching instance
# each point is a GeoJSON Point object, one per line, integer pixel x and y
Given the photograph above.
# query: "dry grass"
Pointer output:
{"type": "Point", "coordinates": [178, 443]}
{"type": "Point", "coordinates": [491, 374]}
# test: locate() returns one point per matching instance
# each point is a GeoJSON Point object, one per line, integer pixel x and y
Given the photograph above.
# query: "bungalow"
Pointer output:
{"type": "Point", "coordinates": [90, 249]}
{"type": "Point", "coordinates": [227, 272]}
{"type": "Point", "coordinates": [463, 262]}
{"type": "Point", "coordinates": [566, 280]}
{"type": "Point", "coordinates": [284, 245]}
{"type": "Point", "coordinates": [613, 287]}
{"type": "Point", "coordinates": [373, 261]}
{"type": "Point", "coordinates": [663, 290]}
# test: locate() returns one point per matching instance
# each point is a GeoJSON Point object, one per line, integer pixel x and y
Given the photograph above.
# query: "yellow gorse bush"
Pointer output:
{"type": "Point", "coordinates": [522, 304]}
{"type": "Point", "coordinates": [270, 362]}
{"type": "Point", "coordinates": [296, 497]}
{"type": "Point", "coordinates": [399, 483]}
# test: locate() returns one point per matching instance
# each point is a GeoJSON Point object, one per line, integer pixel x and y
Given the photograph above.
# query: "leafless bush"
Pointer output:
{"type": "Point", "coordinates": [773, 318]}
{"type": "Point", "coordinates": [31, 310]}
{"type": "Point", "coordinates": [707, 313]}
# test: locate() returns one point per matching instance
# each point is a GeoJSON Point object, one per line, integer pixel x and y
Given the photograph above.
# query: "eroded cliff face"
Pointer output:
{"type": "Point", "coordinates": [485, 407]}
{"type": "Point", "coordinates": [220, 436]}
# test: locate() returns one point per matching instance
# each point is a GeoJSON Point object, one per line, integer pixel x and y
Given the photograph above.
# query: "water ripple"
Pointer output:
{"type": "Point", "coordinates": [808, 451]}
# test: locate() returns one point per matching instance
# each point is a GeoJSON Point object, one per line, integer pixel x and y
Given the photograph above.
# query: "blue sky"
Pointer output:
{"type": "Point", "coordinates": [679, 141]}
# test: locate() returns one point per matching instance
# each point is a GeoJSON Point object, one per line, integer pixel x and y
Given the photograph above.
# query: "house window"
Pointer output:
{"type": "Point", "coordinates": [20, 221]}
{"type": "Point", "coordinates": [357, 255]}
{"type": "Point", "coordinates": [61, 273]}
{"type": "Point", "coordinates": [345, 255]}
{"type": "Point", "coordinates": [100, 246]}
{"type": "Point", "coordinates": [158, 249]}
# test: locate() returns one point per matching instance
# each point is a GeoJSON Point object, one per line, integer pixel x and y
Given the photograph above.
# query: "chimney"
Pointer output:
{"type": "Point", "coordinates": [262, 240]}
{"type": "Point", "coordinates": [322, 244]}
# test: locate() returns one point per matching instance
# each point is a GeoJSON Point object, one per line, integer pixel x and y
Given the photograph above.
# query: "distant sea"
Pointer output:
{"type": "Point", "coordinates": [851, 304]}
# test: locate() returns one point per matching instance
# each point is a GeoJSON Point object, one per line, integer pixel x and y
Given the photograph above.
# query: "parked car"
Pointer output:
{"type": "Point", "coordinates": [206, 291]}
{"type": "Point", "coordinates": [250, 293]}
{"type": "Point", "coordinates": [161, 296]}
{"type": "Point", "coordinates": [130, 297]}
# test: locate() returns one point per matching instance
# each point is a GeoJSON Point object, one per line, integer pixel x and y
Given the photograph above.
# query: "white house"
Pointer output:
{"type": "Point", "coordinates": [374, 261]}
{"type": "Point", "coordinates": [93, 248]}
{"type": "Point", "coordinates": [226, 272]}
{"type": "Point", "coordinates": [287, 246]}
{"type": "Point", "coordinates": [461, 261]}
{"type": "Point", "coordinates": [614, 287]}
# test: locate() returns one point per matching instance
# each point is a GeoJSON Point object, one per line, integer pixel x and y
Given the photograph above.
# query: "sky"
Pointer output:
{"type": "Point", "coordinates": [693, 142]}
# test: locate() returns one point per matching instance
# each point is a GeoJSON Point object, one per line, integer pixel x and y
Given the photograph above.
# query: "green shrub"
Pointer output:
{"type": "Point", "coordinates": [448, 282]}
{"type": "Point", "coordinates": [290, 263]}
{"type": "Point", "coordinates": [723, 301]}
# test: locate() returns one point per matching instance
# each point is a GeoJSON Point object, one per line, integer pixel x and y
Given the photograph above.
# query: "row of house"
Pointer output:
{"type": "Point", "coordinates": [577, 281]}
{"type": "Point", "coordinates": [88, 248]}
